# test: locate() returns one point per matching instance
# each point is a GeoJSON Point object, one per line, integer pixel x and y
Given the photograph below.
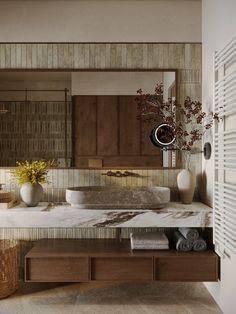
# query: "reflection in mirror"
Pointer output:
{"type": "Point", "coordinates": [81, 119]}
{"type": "Point", "coordinates": [34, 125]}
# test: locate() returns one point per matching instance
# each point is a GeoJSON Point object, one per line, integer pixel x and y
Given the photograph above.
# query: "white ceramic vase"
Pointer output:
{"type": "Point", "coordinates": [31, 194]}
{"type": "Point", "coordinates": [186, 182]}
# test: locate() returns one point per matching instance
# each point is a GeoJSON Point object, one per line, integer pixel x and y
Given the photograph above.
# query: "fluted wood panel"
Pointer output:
{"type": "Point", "coordinates": [77, 56]}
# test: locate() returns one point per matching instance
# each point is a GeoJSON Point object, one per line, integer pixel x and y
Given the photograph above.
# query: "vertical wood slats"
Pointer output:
{"type": "Point", "coordinates": [97, 55]}
{"type": "Point", "coordinates": [129, 127]}
{"type": "Point", "coordinates": [107, 125]}
{"type": "Point", "coordinates": [85, 122]}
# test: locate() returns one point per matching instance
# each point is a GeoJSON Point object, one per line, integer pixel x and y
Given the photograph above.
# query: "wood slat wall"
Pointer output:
{"type": "Point", "coordinates": [186, 58]}
{"type": "Point", "coordinates": [107, 125]}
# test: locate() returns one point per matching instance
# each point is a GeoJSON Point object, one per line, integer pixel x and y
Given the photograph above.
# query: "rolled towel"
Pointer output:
{"type": "Point", "coordinates": [181, 243]}
{"type": "Point", "coordinates": [189, 233]}
{"type": "Point", "coordinates": [199, 245]}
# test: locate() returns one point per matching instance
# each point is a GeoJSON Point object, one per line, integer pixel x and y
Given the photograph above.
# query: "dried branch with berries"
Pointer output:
{"type": "Point", "coordinates": [188, 121]}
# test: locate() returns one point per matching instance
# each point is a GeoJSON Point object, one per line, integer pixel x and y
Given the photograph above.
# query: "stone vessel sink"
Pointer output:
{"type": "Point", "coordinates": [106, 197]}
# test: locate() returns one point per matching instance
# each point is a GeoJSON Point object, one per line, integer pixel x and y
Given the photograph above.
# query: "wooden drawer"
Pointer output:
{"type": "Point", "coordinates": [187, 268]}
{"type": "Point", "coordinates": [122, 268]}
{"type": "Point", "coordinates": [54, 269]}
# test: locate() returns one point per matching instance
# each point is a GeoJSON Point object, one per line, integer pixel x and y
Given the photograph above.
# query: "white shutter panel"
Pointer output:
{"type": "Point", "coordinates": [225, 151]}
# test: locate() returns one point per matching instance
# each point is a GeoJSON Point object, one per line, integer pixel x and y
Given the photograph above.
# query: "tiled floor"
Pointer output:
{"type": "Point", "coordinates": [118, 298]}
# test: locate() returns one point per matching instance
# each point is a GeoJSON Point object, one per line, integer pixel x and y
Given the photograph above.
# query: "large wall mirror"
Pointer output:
{"type": "Point", "coordinates": [84, 119]}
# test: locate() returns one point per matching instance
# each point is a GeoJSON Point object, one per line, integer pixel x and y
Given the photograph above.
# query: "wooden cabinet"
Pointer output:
{"type": "Point", "coordinates": [190, 266]}
{"type": "Point", "coordinates": [121, 268]}
{"type": "Point", "coordinates": [106, 128]}
{"type": "Point", "coordinates": [57, 269]}
{"type": "Point", "coordinates": [109, 260]}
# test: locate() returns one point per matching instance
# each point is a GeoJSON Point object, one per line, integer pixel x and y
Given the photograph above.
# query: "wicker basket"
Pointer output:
{"type": "Point", "coordinates": [8, 268]}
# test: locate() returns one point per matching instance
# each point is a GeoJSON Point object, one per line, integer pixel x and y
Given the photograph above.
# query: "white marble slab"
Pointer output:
{"type": "Point", "coordinates": [64, 216]}
{"type": "Point", "coordinates": [22, 207]}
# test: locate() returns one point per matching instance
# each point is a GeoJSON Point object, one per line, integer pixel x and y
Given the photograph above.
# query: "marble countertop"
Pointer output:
{"type": "Point", "coordinates": [64, 216]}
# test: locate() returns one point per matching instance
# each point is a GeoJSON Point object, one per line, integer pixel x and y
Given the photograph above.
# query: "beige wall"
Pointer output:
{"type": "Point", "coordinates": [219, 25]}
{"type": "Point", "coordinates": [101, 21]}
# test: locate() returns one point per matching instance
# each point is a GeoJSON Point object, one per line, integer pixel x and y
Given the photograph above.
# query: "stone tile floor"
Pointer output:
{"type": "Point", "coordinates": [115, 298]}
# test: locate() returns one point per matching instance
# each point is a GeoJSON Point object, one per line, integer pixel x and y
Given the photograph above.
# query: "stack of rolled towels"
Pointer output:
{"type": "Point", "coordinates": [187, 239]}
{"type": "Point", "coordinates": [149, 241]}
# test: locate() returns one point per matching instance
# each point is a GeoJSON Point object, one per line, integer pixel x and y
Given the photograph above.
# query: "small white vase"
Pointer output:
{"type": "Point", "coordinates": [31, 194]}
{"type": "Point", "coordinates": [186, 182]}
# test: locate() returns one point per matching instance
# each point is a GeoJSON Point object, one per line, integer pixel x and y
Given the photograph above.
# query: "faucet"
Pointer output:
{"type": "Point", "coordinates": [120, 174]}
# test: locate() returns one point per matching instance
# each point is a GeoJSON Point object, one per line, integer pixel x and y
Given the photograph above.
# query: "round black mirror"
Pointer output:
{"type": "Point", "coordinates": [162, 135]}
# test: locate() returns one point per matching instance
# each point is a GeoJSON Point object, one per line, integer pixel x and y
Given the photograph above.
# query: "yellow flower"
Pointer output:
{"type": "Point", "coordinates": [33, 172]}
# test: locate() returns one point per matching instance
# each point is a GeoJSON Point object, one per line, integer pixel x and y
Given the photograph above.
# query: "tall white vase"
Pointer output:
{"type": "Point", "coordinates": [186, 182]}
{"type": "Point", "coordinates": [31, 194]}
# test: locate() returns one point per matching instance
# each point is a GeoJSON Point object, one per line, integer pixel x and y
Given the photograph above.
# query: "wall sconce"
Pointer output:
{"type": "Point", "coordinates": [207, 150]}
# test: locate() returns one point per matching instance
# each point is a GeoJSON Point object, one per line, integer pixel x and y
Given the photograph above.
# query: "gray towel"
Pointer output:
{"type": "Point", "coordinates": [135, 246]}
{"type": "Point", "coordinates": [189, 233]}
{"type": "Point", "coordinates": [199, 245]}
{"type": "Point", "coordinates": [149, 241]}
{"type": "Point", "coordinates": [181, 243]}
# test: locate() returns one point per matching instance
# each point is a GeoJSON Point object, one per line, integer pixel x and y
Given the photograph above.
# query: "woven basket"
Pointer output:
{"type": "Point", "coordinates": [8, 268]}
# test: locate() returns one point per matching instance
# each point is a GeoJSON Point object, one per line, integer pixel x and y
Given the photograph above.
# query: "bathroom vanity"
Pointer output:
{"type": "Point", "coordinates": [62, 260]}
{"type": "Point", "coordinates": [110, 260]}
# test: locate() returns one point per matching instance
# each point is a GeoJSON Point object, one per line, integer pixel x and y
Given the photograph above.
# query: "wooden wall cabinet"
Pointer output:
{"type": "Point", "coordinates": [109, 260]}
{"type": "Point", "coordinates": [58, 269]}
{"type": "Point", "coordinates": [188, 267]}
{"type": "Point", "coordinates": [121, 268]}
{"type": "Point", "coordinates": [106, 128]}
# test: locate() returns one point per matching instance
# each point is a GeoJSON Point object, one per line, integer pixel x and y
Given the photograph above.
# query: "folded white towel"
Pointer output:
{"type": "Point", "coordinates": [135, 246]}
{"type": "Point", "coordinates": [149, 241]}
{"type": "Point", "coordinates": [150, 237]}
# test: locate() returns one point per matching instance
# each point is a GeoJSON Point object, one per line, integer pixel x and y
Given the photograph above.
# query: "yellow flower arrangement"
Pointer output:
{"type": "Point", "coordinates": [33, 172]}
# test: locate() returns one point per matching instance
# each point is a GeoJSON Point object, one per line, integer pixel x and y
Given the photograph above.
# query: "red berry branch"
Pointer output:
{"type": "Point", "coordinates": [188, 121]}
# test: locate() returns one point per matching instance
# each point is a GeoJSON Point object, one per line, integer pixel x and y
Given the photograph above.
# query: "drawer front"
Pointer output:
{"type": "Point", "coordinates": [186, 268]}
{"type": "Point", "coordinates": [67, 269]}
{"type": "Point", "coordinates": [122, 268]}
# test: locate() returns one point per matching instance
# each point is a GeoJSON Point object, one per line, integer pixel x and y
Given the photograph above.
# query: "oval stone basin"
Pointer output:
{"type": "Point", "coordinates": [109, 197]}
